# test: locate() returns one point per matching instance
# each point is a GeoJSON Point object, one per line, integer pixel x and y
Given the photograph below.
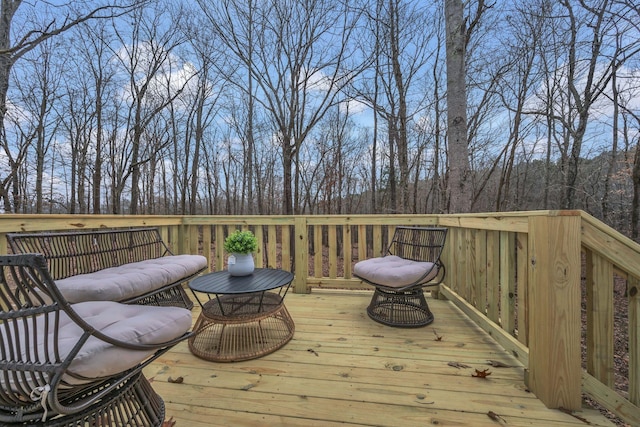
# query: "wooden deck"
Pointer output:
{"type": "Point", "coordinates": [343, 368]}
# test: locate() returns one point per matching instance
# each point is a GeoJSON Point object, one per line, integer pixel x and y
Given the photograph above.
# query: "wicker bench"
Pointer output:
{"type": "Point", "coordinates": [132, 265]}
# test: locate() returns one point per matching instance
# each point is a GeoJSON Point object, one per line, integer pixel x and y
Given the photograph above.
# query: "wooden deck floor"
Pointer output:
{"type": "Point", "coordinates": [343, 368]}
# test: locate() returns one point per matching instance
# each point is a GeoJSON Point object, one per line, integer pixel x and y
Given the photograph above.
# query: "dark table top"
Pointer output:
{"type": "Point", "coordinates": [222, 283]}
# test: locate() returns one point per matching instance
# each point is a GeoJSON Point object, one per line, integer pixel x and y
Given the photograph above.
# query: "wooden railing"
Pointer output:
{"type": "Point", "coordinates": [521, 276]}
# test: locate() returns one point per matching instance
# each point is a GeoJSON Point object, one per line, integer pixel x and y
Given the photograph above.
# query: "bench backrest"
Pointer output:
{"type": "Point", "coordinates": [418, 243]}
{"type": "Point", "coordinates": [80, 252]}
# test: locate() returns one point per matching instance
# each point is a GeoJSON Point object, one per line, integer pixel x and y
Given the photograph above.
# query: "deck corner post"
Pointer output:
{"type": "Point", "coordinates": [554, 310]}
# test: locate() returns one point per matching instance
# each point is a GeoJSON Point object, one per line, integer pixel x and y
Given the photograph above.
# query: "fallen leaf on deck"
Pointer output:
{"type": "Point", "coordinates": [458, 365]}
{"type": "Point", "coordinates": [169, 423]}
{"type": "Point", "coordinates": [570, 412]}
{"type": "Point", "coordinates": [178, 380]}
{"type": "Point", "coordinates": [481, 374]}
{"type": "Point", "coordinates": [498, 364]}
{"type": "Point", "coordinates": [438, 337]}
{"type": "Point", "coordinates": [495, 417]}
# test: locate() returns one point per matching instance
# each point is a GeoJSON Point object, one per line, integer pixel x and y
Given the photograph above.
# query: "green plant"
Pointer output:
{"type": "Point", "coordinates": [241, 242]}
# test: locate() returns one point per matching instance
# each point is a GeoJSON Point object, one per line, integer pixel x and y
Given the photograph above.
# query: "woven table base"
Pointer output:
{"type": "Point", "coordinates": [406, 309]}
{"type": "Point", "coordinates": [248, 329]}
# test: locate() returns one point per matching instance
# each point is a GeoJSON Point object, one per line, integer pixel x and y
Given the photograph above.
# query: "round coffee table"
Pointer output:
{"type": "Point", "coordinates": [243, 317]}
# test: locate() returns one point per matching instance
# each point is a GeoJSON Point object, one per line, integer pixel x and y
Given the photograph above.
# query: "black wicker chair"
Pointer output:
{"type": "Point", "coordinates": [78, 364]}
{"type": "Point", "coordinates": [412, 263]}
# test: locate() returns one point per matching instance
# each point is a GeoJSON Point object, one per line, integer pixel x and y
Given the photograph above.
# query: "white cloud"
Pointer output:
{"type": "Point", "coordinates": [628, 82]}
{"type": "Point", "coordinates": [165, 76]}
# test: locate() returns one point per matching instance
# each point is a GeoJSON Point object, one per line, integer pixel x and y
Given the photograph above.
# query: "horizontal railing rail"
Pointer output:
{"type": "Point", "coordinates": [541, 283]}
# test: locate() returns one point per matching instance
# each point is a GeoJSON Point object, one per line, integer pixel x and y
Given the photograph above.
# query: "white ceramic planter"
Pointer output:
{"type": "Point", "coordinates": [240, 264]}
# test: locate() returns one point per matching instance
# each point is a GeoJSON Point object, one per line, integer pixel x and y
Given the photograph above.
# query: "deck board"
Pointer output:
{"type": "Point", "coordinates": [343, 368]}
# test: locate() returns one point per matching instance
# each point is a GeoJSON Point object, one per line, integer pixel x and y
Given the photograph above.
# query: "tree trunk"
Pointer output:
{"type": "Point", "coordinates": [458, 153]}
{"type": "Point", "coordinates": [97, 171]}
{"type": "Point", "coordinates": [614, 149]}
{"type": "Point", "coordinates": [400, 127]}
{"type": "Point", "coordinates": [6, 62]}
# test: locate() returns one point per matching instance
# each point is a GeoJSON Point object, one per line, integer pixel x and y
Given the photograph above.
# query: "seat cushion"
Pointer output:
{"type": "Point", "coordinates": [96, 358]}
{"type": "Point", "coordinates": [130, 280]}
{"type": "Point", "coordinates": [395, 272]}
{"type": "Point", "coordinates": [139, 324]}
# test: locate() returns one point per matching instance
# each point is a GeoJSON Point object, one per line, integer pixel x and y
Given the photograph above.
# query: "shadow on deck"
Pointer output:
{"type": "Point", "coordinates": [343, 368]}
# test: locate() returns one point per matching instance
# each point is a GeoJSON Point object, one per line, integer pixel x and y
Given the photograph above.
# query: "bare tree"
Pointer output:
{"type": "Point", "coordinates": [28, 38]}
{"type": "Point", "coordinates": [38, 97]}
{"type": "Point", "coordinates": [521, 47]}
{"type": "Point", "coordinates": [94, 60]}
{"type": "Point", "coordinates": [400, 32]}
{"type": "Point", "coordinates": [147, 57]}
{"type": "Point", "coordinates": [615, 98]}
{"type": "Point", "coordinates": [76, 119]}
{"type": "Point", "coordinates": [439, 186]}
{"type": "Point", "coordinates": [299, 60]}
{"type": "Point", "coordinates": [89, 77]}
{"type": "Point", "coordinates": [592, 59]}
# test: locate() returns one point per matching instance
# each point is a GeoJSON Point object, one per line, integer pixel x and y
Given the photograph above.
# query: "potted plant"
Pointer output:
{"type": "Point", "coordinates": [240, 245]}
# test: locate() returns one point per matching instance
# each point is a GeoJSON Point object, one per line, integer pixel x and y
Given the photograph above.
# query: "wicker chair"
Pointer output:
{"type": "Point", "coordinates": [412, 263]}
{"type": "Point", "coordinates": [78, 364]}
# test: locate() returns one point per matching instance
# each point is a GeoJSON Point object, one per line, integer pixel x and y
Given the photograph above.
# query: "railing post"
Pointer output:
{"type": "Point", "coordinates": [554, 310]}
{"type": "Point", "coordinates": [634, 340]}
{"type": "Point", "coordinates": [3, 244]}
{"type": "Point", "coordinates": [301, 247]}
{"type": "Point", "coordinates": [177, 239]}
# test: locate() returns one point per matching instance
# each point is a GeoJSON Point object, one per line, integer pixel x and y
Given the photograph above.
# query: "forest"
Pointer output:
{"type": "Point", "coordinates": [319, 107]}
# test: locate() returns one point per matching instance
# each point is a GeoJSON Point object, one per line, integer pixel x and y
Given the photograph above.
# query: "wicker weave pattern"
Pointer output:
{"type": "Point", "coordinates": [418, 243]}
{"type": "Point", "coordinates": [400, 308]}
{"type": "Point", "coordinates": [407, 306]}
{"type": "Point", "coordinates": [241, 327]}
{"type": "Point", "coordinates": [134, 404]}
{"type": "Point", "coordinates": [81, 252]}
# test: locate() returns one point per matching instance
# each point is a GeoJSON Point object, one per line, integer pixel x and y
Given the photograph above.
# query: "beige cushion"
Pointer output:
{"type": "Point", "coordinates": [126, 322]}
{"type": "Point", "coordinates": [393, 271]}
{"type": "Point", "coordinates": [130, 280]}
{"type": "Point", "coordinates": [140, 324]}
